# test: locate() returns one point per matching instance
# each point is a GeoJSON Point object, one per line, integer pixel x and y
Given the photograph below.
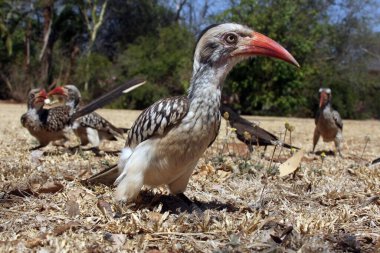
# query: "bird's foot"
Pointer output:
{"type": "Point", "coordinates": [95, 150]}
{"type": "Point", "coordinates": [114, 153]}
{"type": "Point", "coordinates": [35, 148]}
{"type": "Point", "coordinates": [59, 143]}
{"type": "Point", "coordinates": [74, 149]}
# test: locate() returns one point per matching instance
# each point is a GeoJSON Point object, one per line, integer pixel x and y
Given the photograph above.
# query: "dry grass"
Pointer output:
{"type": "Point", "coordinates": [329, 207]}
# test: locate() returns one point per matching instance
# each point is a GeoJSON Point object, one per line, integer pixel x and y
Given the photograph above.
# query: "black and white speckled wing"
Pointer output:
{"type": "Point", "coordinates": [55, 119]}
{"type": "Point", "coordinates": [338, 119]}
{"type": "Point", "coordinates": [158, 119]}
{"type": "Point", "coordinates": [95, 121]}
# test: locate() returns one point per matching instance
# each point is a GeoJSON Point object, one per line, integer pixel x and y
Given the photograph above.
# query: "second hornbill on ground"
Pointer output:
{"type": "Point", "coordinates": [48, 125]}
{"type": "Point", "coordinates": [39, 122]}
{"type": "Point", "coordinates": [328, 122]}
{"type": "Point", "coordinates": [169, 137]}
{"type": "Point", "coordinates": [249, 132]}
{"type": "Point", "coordinates": [90, 128]}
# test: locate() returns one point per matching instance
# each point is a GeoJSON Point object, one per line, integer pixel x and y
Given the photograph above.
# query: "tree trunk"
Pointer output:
{"type": "Point", "coordinates": [46, 55]}
{"type": "Point", "coordinates": [27, 56]}
{"type": "Point", "coordinates": [92, 28]}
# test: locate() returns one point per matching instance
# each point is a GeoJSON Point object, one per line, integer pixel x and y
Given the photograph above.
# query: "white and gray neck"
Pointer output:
{"type": "Point", "coordinates": [207, 81]}
{"type": "Point", "coordinates": [326, 107]}
{"type": "Point", "coordinates": [72, 104]}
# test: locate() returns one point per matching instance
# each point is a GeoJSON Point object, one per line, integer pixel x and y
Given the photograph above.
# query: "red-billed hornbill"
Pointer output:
{"type": "Point", "coordinates": [33, 119]}
{"type": "Point", "coordinates": [328, 122]}
{"type": "Point", "coordinates": [47, 125]}
{"type": "Point", "coordinates": [250, 133]}
{"type": "Point", "coordinates": [168, 138]}
{"type": "Point", "coordinates": [91, 128]}
{"type": "Point", "coordinates": [52, 124]}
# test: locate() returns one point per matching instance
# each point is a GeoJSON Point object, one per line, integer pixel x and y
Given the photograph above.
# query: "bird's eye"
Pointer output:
{"type": "Point", "coordinates": [231, 38]}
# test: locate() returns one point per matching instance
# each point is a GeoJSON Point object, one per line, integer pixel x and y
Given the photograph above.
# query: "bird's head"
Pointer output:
{"type": "Point", "coordinates": [68, 93]}
{"type": "Point", "coordinates": [36, 98]}
{"type": "Point", "coordinates": [324, 97]}
{"type": "Point", "coordinates": [227, 44]}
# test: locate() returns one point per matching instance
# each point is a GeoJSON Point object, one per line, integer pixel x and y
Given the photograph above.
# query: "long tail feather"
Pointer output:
{"type": "Point", "coordinates": [108, 97]}
{"type": "Point", "coordinates": [106, 176]}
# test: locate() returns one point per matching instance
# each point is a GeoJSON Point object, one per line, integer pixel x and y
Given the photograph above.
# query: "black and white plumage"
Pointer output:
{"type": "Point", "coordinates": [90, 128]}
{"type": "Point", "coordinates": [155, 119]}
{"type": "Point", "coordinates": [375, 162]}
{"type": "Point", "coordinates": [46, 125]}
{"type": "Point", "coordinates": [328, 122]}
{"type": "Point", "coordinates": [52, 124]}
{"type": "Point", "coordinates": [168, 138]}
{"type": "Point", "coordinates": [35, 104]}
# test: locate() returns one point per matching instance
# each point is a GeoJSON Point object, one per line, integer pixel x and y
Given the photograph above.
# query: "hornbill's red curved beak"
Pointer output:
{"type": "Point", "coordinates": [57, 91]}
{"type": "Point", "coordinates": [41, 96]}
{"type": "Point", "coordinates": [259, 44]}
{"type": "Point", "coordinates": [323, 99]}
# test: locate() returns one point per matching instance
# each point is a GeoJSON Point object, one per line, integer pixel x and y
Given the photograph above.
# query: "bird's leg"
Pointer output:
{"type": "Point", "coordinates": [315, 138]}
{"type": "Point", "coordinates": [95, 150]}
{"type": "Point", "coordinates": [38, 147]}
{"type": "Point", "coordinates": [191, 204]}
{"type": "Point", "coordinates": [179, 186]}
{"type": "Point", "coordinates": [76, 147]}
{"type": "Point", "coordinates": [250, 147]}
{"type": "Point", "coordinates": [61, 143]}
{"type": "Point", "coordinates": [114, 153]}
{"type": "Point", "coordinates": [338, 143]}
{"type": "Point", "coordinates": [265, 150]}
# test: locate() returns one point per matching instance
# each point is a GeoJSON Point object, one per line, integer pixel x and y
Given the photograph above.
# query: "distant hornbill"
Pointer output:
{"type": "Point", "coordinates": [328, 122]}
{"type": "Point", "coordinates": [249, 132]}
{"type": "Point", "coordinates": [40, 122]}
{"type": "Point", "coordinates": [52, 124]}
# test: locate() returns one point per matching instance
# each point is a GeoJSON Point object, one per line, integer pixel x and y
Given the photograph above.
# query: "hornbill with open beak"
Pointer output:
{"type": "Point", "coordinates": [91, 128]}
{"type": "Point", "coordinates": [36, 120]}
{"type": "Point", "coordinates": [250, 133]}
{"type": "Point", "coordinates": [52, 124]}
{"type": "Point", "coordinates": [168, 138]}
{"type": "Point", "coordinates": [328, 122]}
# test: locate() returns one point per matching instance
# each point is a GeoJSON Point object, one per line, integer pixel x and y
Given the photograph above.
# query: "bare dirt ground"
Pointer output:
{"type": "Point", "coordinates": [325, 206]}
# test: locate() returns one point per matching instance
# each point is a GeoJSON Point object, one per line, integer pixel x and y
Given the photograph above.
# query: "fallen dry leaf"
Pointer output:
{"type": "Point", "coordinates": [23, 192]}
{"type": "Point", "coordinates": [223, 175]}
{"type": "Point", "coordinates": [34, 242]}
{"type": "Point", "coordinates": [291, 164]}
{"type": "Point", "coordinates": [105, 208]}
{"type": "Point", "coordinates": [50, 187]}
{"type": "Point", "coordinates": [60, 229]}
{"type": "Point", "coordinates": [206, 169]}
{"type": "Point", "coordinates": [72, 208]}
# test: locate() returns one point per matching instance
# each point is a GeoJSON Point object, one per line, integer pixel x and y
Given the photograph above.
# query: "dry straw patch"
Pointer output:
{"type": "Point", "coordinates": [329, 206]}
